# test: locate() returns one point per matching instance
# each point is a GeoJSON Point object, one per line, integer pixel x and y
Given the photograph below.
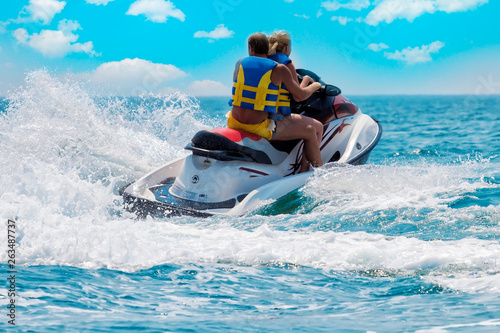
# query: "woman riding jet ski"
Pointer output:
{"type": "Point", "coordinates": [230, 172]}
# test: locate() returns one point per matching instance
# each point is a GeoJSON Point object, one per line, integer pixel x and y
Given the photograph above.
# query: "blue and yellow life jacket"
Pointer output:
{"type": "Point", "coordinates": [252, 88]}
{"type": "Point", "coordinates": [280, 58]}
{"type": "Point", "coordinates": [283, 106]}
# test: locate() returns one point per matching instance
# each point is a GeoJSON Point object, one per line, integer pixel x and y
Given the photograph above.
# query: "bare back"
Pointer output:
{"type": "Point", "coordinates": [248, 116]}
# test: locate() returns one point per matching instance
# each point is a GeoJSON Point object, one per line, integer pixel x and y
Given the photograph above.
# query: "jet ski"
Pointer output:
{"type": "Point", "coordinates": [232, 172]}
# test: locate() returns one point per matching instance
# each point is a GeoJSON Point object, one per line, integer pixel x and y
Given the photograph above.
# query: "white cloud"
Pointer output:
{"type": "Point", "coordinates": [157, 11]}
{"type": "Point", "coordinates": [43, 10]}
{"type": "Point", "coordinates": [342, 19]}
{"type": "Point", "coordinates": [390, 10]}
{"type": "Point", "coordinates": [417, 54]}
{"type": "Point", "coordinates": [135, 75]}
{"type": "Point", "coordinates": [452, 6]}
{"type": "Point", "coordinates": [99, 2]}
{"type": "Point", "coordinates": [352, 5]}
{"type": "Point", "coordinates": [377, 47]}
{"type": "Point", "coordinates": [219, 32]}
{"type": "Point", "coordinates": [208, 88]}
{"type": "Point", "coordinates": [55, 43]}
{"type": "Point", "coordinates": [21, 35]}
{"type": "Point", "coordinates": [3, 26]}
{"type": "Point", "coordinates": [304, 16]}
{"type": "Point", "coordinates": [335, 5]}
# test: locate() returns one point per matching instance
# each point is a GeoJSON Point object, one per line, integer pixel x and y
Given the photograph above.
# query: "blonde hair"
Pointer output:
{"type": "Point", "coordinates": [278, 41]}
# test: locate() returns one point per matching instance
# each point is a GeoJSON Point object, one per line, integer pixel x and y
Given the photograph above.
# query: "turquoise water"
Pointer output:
{"type": "Point", "coordinates": [406, 243]}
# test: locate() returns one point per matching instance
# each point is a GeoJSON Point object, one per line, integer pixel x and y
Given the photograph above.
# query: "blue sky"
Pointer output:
{"type": "Point", "coordinates": [365, 47]}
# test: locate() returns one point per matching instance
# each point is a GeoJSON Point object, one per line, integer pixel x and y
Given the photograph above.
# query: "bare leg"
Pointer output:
{"type": "Point", "coordinates": [297, 126]}
{"type": "Point", "coordinates": [307, 80]}
{"type": "Point", "coordinates": [304, 163]}
{"type": "Point", "coordinates": [319, 130]}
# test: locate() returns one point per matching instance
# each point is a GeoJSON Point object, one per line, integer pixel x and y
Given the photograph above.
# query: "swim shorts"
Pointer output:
{"type": "Point", "coordinates": [264, 129]}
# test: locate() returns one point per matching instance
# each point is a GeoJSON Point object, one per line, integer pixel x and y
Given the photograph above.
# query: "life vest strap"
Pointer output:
{"type": "Point", "coordinates": [252, 101]}
{"type": "Point", "coordinates": [239, 85]}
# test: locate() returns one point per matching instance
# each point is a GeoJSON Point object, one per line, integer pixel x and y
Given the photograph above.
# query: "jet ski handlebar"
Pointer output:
{"type": "Point", "coordinates": [326, 89]}
{"type": "Point", "coordinates": [329, 90]}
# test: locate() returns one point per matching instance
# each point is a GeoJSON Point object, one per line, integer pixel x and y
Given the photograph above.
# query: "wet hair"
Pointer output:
{"type": "Point", "coordinates": [278, 41]}
{"type": "Point", "coordinates": [259, 43]}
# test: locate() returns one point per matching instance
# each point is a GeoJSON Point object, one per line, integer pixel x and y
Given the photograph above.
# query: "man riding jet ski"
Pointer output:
{"type": "Point", "coordinates": [230, 172]}
{"type": "Point", "coordinates": [262, 88]}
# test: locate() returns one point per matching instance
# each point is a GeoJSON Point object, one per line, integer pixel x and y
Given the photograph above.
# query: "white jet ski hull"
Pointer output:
{"type": "Point", "coordinates": [208, 182]}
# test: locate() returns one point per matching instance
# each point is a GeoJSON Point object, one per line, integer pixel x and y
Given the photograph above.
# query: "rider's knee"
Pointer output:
{"type": "Point", "coordinates": [310, 131]}
{"type": "Point", "coordinates": [318, 126]}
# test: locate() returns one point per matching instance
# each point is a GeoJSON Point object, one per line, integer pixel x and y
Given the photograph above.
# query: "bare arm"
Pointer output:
{"type": "Point", "coordinates": [306, 80]}
{"type": "Point", "coordinates": [281, 74]}
{"type": "Point", "coordinates": [236, 69]}
{"type": "Point", "coordinates": [292, 70]}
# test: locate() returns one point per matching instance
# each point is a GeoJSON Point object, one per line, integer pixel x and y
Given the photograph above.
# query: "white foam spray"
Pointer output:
{"type": "Point", "coordinates": [65, 154]}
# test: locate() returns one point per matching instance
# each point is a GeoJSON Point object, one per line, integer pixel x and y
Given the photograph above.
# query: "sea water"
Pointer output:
{"type": "Point", "coordinates": [409, 242]}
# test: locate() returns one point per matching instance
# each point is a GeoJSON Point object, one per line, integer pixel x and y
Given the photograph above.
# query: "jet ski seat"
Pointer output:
{"type": "Point", "coordinates": [215, 145]}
